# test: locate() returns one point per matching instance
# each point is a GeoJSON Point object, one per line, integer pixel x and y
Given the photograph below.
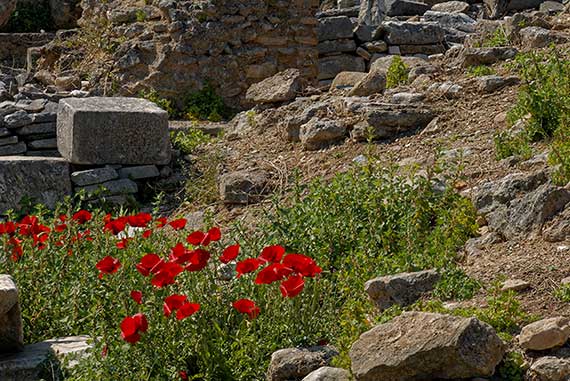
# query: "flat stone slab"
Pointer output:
{"type": "Point", "coordinates": [41, 360]}
{"type": "Point", "coordinates": [45, 180]}
{"type": "Point", "coordinates": [100, 130]}
{"type": "Point", "coordinates": [11, 332]}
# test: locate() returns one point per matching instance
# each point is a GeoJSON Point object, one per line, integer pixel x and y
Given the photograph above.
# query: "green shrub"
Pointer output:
{"type": "Point", "coordinates": [30, 18]}
{"type": "Point", "coordinates": [509, 144]}
{"type": "Point", "coordinates": [456, 285]}
{"type": "Point", "coordinates": [164, 103]}
{"type": "Point", "coordinates": [188, 139]}
{"type": "Point", "coordinates": [366, 223]}
{"type": "Point", "coordinates": [397, 74]}
{"type": "Point", "coordinates": [512, 367]}
{"type": "Point", "coordinates": [206, 105]}
{"type": "Point", "coordinates": [563, 293]}
{"type": "Point", "coordinates": [497, 38]}
{"type": "Point", "coordinates": [480, 70]}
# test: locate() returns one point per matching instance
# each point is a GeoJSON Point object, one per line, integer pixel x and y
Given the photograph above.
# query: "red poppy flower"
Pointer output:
{"type": "Point", "coordinates": [247, 266]}
{"type": "Point", "coordinates": [246, 306]}
{"type": "Point", "coordinates": [59, 228]}
{"type": "Point", "coordinates": [132, 326]}
{"type": "Point", "coordinates": [81, 217]}
{"type": "Point", "coordinates": [108, 265]}
{"type": "Point", "coordinates": [62, 217]}
{"type": "Point", "coordinates": [302, 264]}
{"type": "Point", "coordinates": [140, 220]}
{"type": "Point", "coordinates": [196, 238]}
{"type": "Point", "coordinates": [230, 253]}
{"type": "Point", "coordinates": [188, 309]}
{"type": "Point", "coordinates": [15, 245]}
{"type": "Point", "coordinates": [179, 254]}
{"type": "Point", "coordinates": [215, 234]}
{"type": "Point", "coordinates": [122, 244]}
{"type": "Point", "coordinates": [272, 254]}
{"type": "Point", "coordinates": [147, 233]}
{"type": "Point", "coordinates": [178, 224]}
{"type": "Point", "coordinates": [273, 273]}
{"type": "Point", "coordinates": [8, 228]}
{"type": "Point", "coordinates": [161, 222]}
{"type": "Point", "coordinates": [173, 303]}
{"type": "Point", "coordinates": [137, 296]}
{"type": "Point", "coordinates": [292, 286]}
{"type": "Point", "coordinates": [30, 225]}
{"type": "Point", "coordinates": [116, 226]}
{"type": "Point", "coordinates": [183, 375]}
{"type": "Point", "coordinates": [166, 274]}
{"type": "Point", "coordinates": [198, 260]}
{"type": "Point", "coordinates": [150, 263]}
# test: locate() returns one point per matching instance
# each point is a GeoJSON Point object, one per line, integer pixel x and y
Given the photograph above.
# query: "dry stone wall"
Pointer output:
{"type": "Point", "coordinates": [176, 47]}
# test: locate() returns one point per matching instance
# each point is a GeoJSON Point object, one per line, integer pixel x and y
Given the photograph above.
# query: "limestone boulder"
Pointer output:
{"type": "Point", "coordinates": [413, 33]}
{"type": "Point", "coordinates": [347, 80]}
{"type": "Point", "coordinates": [545, 334]}
{"type": "Point", "coordinates": [550, 368]}
{"type": "Point", "coordinates": [372, 83]}
{"type": "Point", "coordinates": [335, 28]}
{"type": "Point", "coordinates": [327, 373]}
{"type": "Point", "coordinates": [319, 133]}
{"type": "Point", "coordinates": [296, 363]}
{"type": "Point", "coordinates": [400, 289]}
{"type": "Point", "coordinates": [243, 187]}
{"type": "Point", "coordinates": [282, 87]}
{"type": "Point", "coordinates": [426, 346]}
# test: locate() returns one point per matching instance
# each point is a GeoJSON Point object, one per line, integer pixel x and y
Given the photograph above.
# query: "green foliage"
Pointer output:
{"type": "Point", "coordinates": [511, 368]}
{"type": "Point", "coordinates": [497, 38]}
{"type": "Point", "coordinates": [366, 223]}
{"type": "Point", "coordinates": [456, 285]}
{"type": "Point", "coordinates": [206, 105]}
{"type": "Point", "coordinates": [164, 103]}
{"type": "Point", "coordinates": [509, 144]}
{"type": "Point", "coordinates": [480, 70]}
{"type": "Point", "coordinates": [141, 15]}
{"type": "Point", "coordinates": [397, 73]}
{"type": "Point", "coordinates": [563, 293]}
{"type": "Point", "coordinates": [30, 17]}
{"type": "Point", "coordinates": [188, 139]}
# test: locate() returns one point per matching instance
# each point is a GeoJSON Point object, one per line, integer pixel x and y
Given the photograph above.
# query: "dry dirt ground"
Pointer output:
{"type": "Point", "coordinates": [464, 132]}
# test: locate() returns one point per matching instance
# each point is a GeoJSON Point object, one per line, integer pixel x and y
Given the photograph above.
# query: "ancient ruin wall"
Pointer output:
{"type": "Point", "coordinates": [176, 47]}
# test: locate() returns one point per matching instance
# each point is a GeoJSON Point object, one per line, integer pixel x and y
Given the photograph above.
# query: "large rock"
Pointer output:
{"type": "Point", "coordinates": [318, 133]}
{"type": "Point", "coordinates": [425, 346]}
{"type": "Point", "coordinates": [373, 83]}
{"type": "Point", "coordinates": [292, 364]}
{"type": "Point", "coordinates": [346, 80]}
{"type": "Point", "coordinates": [537, 37]}
{"type": "Point", "coordinates": [101, 130]}
{"type": "Point", "coordinates": [404, 7]}
{"type": "Point", "coordinates": [6, 9]}
{"type": "Point", "coordinates": [413, 33]}
{"type": "Point", "coordinates": [451, 7]}
{"type": "Point", "coordinates": [498, 8]}
{"type": "Point", "coordinates": [43, 361]}
{"type": "Point", "coordinates": [44, 180]}
{"type": "Point", "coordinates": [486, 56]}
{"type": "Point", "coordinates": [371, 12]}
{"type": "Point", "coordinates": [545, 334]}
{"type": "Point", "coordinates": [335, 28]}
{"type": "Point", "coordinates": [243, 187]}
{"type": "Point", "coordinates": [11, 333]}
{"type": "Point", "coordinates": [401, 289]}
{"type": "Point", "coordinates": [282, 87]}
{"type": "Point", "coordinates": [550, 368]}
{"type": "Point", "coordinates": [459, 21]}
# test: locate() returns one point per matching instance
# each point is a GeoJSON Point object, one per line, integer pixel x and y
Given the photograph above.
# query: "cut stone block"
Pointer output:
{"type": "Point", "coordinates": [40, 128]}
{"type": "Point", "coordinates": [112, 188]}
{"type": "Point", "coordinates": [44, 180]}
{"type": "Point", "coordinates": [11, 333]}
{"type": "Point", "coordinates": [43, 144]}
{"type": "Point", "coordinates": [140, 172]}
{"type": "Point", "coordinates": [8, 140]}
{"type": "Point", "coordinates": [93, 176]}
{"type": "Point", "coordinates": [43, 361]}
{"type": "Point", "coordinates": [101, 130]}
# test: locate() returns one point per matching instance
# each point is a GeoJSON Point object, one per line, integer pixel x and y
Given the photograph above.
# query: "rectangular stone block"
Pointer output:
{"type": "Point", "coordinates": [45, 180]}
{"type": "Point", "coordinates": [99, 130]}
{"type": "Point", "coordinates": [11, 333]}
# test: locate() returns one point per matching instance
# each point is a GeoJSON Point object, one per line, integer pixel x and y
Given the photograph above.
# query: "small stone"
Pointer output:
{"type": "Point", "coordinates": [139, 172]}
{"type": "Point", "coordinates": [17, 119]}
{"type": "Point", "coordinates": [296, 363]}
{"type": "Point", "coordinates": [36, 129]}
{"type": "Point", "coordinates": [364, 53]}
{"type": "Point", "coordinates": [8, 140]}
{"type": "Point", "coordinates": [13, 149]}
{"type": "Point", "coordinates": [319, 133]}
{"type": "Point", "coordinates": [550, 369]}
{"type": "Point", "coordinates": [112, 188]}
{"type": "Point", "coordinates": [372, 83]}
{"type": "Point", "coordinates": [327, 373]}
{"type": "Point", "coordinates": [243, 187]}
{"type": "Point", "coordinates": [43, 144]}
{"type": "Point", "coordinates": [282, 87]}
{"type": "Point", "coordinates": [545, 334]}
{"type": "Point", "coordinates": [93, 176]}
{"type": "Point", "coordinates": [4, 132]}
{"type": "Point", "coordinates": [515, 285]}
{"type": "Point", "coordinates": [44, 117]}
{"type": "Point", "coordinates": [451, 7]}
{"type": "Point", "coordinates": [346, 80]}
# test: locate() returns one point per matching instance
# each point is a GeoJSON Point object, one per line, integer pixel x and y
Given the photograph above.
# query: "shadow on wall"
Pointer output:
{"type": "Point", "coordinates": [47, 15]}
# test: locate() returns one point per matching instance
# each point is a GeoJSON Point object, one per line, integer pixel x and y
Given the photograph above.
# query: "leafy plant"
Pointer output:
{"type": "Point", "coordinates": [497, 38]}
{"type": "Point", "coordinates": [480, 70]}
{"type": "Point", "coordinates": [164, 103]}
{"type": "Point", "coordinates": [509, 144]}
{"type": "Point", "coordinates": [456, 285]}
{"type": "Point", "coordinates": [563, 293]}
{"type": "Point", "coordinates": [188, 139]}
{"type": "Point", "coordinates": [511, 368]}
{"type": "Point", "coordinates": [397, 74]}
{"type": "Point", "coordinates": [206, 105]}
